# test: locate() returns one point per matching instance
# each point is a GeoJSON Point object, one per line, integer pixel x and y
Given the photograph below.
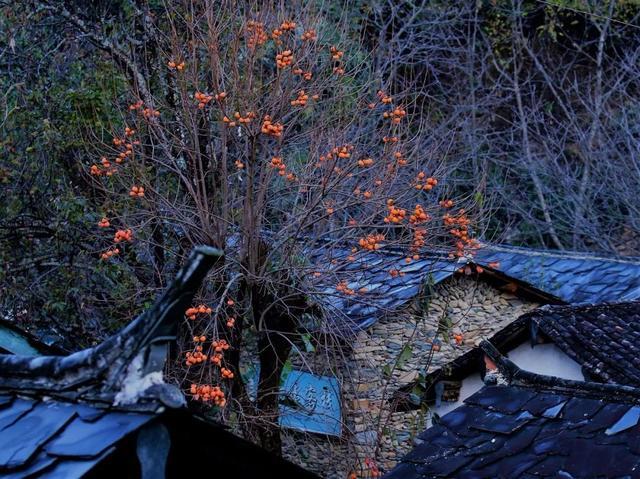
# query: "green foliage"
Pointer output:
{"type": "Point", "coordinates": [48, 208]}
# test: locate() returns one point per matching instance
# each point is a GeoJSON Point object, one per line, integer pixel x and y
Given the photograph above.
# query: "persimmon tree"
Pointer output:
{"type": "Point", "coordinates": [254, 129]}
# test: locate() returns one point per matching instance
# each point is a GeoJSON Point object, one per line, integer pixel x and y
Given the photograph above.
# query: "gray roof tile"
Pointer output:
{"type": "Point", "coordinates": [571, 277]}
{"type": "Point", "coordinates": [524, 441]}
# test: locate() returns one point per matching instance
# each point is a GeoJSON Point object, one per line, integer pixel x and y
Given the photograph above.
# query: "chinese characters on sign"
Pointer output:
{"type": "Point", "coordinates": [307, 402]}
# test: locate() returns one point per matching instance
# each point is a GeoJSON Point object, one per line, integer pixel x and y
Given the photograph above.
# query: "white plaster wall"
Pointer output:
{"type": "Point", "coordinates": [470, 385]}
{"type": "Point", "coordinates": [545, 359]}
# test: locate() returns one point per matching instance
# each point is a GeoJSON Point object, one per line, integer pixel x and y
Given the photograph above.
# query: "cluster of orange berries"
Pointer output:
{"type": "Point", "coordinates": [343, 288]}
{"type": "Point", "coordinates": [195, 357]}
{"type": "Point", "coordinates": [396, 215]}
{"type": "Point", "coordinates": [202, 98]}
{"type": "Point", "coordinates": [450, 220]}
{"type": "Point", "coordinates": [384, 98]}
{"type": "Point", "coordinates": [104, 223]}
{"type": "Point", "coordinates": [460, 230]}
{"type": "Point", "coordinates": [396, 272]}
{"type": "Point", "coordinates": [231, 322]}
{"type": "Point", "coordinates": [246, 119]}
{"type": "Point", "coordinates": [136, 191]}
{"type": "Point", "coordinates": [365, 162]}
{"type": "Point", "coordinates": [462, 233]}
{"type": "Point", "coordinates": [307, 75]}
{"type": "Point", "coordinates": [425, 184]}
{"type": "Point", "coordinates": [446, 203]}
{"type": "Point", "coordinates": [136, 106]}
{"type": "Point", "coordinates": [226, 373]}
{"type": "Point", "coordinates": [105, 168]}
{"type": "Point", "coordinates": [239, 164]}
{"type": "Point", "coordinates": [277, 163]}
{"type": "Point", "coordinates": [389, 139]}
{"type": "Point", "coordinates": [238, 118]}
{"type": "Point", "coordinates": [207, 393]}
{"type": "Point", "coordinates": [176, 66]}
{"type": "Point", "coordinates": [150, 113]}
{"type": "Point", "coordinates": [418, 239]}
{"type": "Point", "coordinates": [192, 312]}
{"type": "Point", "coordinates": [256, 34]}
{"type": "Point", "coordinates": [220, 345]}
{"type": "Point", "coordinates": [396, 115]}
{"type": "Point", "coordinates": [339, 152]}
{"type": "Point", "coordinates": [371, 242]}
{"type": "Point", "coordinates": [285, 26]}
{"type": "Point", "coordinates": [123, 154]}
{"type": "Point", "coordinates": [400, 159]}
{"type": "Point", "coordinates": [343, 151]}
{"type": "Point", "coordinates": [123, 235]}
{"type": "Point", "coordinates": [110, 252]}
{"type": "Point", "coordinates": [105, 162]}
{"type": "Point", "coordinates": [309, 35]}
{"type": "Point", "coordinates": [271, 128]}
{"type": "Point", "coordinates": [284, 59]}
{"type": "Point", "coordinates": [468, 269]}
{"type": "Point", "coordinates": [335, 53]}
{"type": "Point", "coordinates": [419, 215]}
{"type": "Point", "coordinates": [217, 359]}
{"type": "Point", "coordinates": [302, 99]}
{"type": "Point", "coordinates": [122, 143]}
{"type": "Point", "coordinates": [408, 259]}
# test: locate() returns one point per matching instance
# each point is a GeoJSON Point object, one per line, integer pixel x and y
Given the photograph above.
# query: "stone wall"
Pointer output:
{"type": "Point", "coordinates": [392, 353]}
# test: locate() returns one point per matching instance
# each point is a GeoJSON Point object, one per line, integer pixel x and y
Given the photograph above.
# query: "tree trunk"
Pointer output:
{"type": "Point", "coordinates": [276, 324]}
{"type": "Point", "coordinates": [274, 351]}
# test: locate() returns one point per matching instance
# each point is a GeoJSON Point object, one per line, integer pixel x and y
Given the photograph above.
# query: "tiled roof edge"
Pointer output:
{"type": "Point", "coordinates": [515, 376]}
{"type": "Point", "coordinates": [131, 361]}
{"type": "Point", "coordinates": [562, 253]}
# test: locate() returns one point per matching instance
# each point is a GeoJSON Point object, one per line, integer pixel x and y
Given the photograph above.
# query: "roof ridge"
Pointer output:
{"type": "Point", "coordinates": [128, 365]}
{"type": "Point", "coordinates": [485, 245]}
{"type": "Point", "coordinates": [515, 376]}
{"type": "Point", "coordinates": [542, 312]}
{"type": "Point", "coordinates": [570, 254]}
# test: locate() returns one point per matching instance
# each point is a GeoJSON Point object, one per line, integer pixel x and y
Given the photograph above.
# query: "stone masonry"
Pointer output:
{"type": "Point", "coordinates": [460, 312]}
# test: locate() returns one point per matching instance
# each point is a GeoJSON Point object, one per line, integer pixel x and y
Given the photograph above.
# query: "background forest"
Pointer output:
{"type": "Point", "coordinates": [526, 111]}
{"type": "Point", "coordinates": [532, 106]}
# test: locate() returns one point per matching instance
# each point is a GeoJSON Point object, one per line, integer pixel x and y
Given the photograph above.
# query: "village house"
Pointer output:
{"type": "Point", "coordinates": [107, 412]}
{"type": "Point", "coordinates": [407, 324]}
{"type": "Point", "coordinates": [596, 343]}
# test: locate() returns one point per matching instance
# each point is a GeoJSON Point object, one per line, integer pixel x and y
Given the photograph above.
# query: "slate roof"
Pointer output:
{"type": "Point", "coordinates": [573, 277]}
{"type": "Point", "coordinates": [532, 426]}
{"type": "Point", "coordinates": [604, 339]}
{"type": "Point", "coordinates": [558, 276]}
{"type": "Point", "coordinates": [49, 438]}
{"type": "Point", "coordinates": [64, 416]}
